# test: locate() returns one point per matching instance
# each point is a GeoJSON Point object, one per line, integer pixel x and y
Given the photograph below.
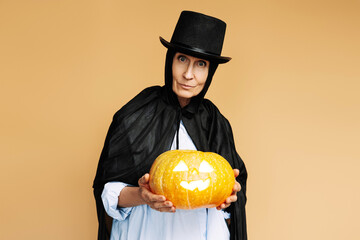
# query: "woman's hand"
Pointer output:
{"type": "Point", "coordinates": [232, 197]}
{"type": "Point", "coordinates": [156, 202]}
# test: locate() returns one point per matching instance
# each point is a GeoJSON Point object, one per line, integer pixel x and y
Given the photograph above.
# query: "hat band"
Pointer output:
{"type": "Point", "coordinates": [195, 49]}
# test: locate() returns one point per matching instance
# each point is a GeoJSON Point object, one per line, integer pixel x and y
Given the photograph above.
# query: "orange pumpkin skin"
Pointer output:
{"type": "Point", "coordinates": [192, 179]}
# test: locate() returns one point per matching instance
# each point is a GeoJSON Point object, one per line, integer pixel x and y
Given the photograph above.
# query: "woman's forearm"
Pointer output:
{"type": "Point", "coordinates": [130, 197]}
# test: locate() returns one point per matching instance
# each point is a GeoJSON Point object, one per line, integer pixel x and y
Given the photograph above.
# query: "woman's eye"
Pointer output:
{"type": "Point", "coordinates": [202, 64]}
{"type": "Point", "coordinates": [182, 58]}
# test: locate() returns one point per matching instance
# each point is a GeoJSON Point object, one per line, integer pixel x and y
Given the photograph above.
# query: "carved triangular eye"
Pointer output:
{"type": "Point", "coordinates": [205, 167]}
{"type": "Point", "coordinates": [181, 167]}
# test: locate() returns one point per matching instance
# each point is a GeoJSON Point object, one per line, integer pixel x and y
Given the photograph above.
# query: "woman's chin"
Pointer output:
{"type": "Point", "coordinates": [184, 95]}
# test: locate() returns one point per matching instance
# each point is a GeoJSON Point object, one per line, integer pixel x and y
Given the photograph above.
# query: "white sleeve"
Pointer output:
{"type": "Point", "coordinates": [110, 198]}
{"type": "Point", "coordinates": [225, 214]}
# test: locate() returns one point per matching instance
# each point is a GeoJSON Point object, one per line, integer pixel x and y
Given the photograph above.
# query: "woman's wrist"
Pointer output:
{"type": "Point", "coordinates": [130, 197]}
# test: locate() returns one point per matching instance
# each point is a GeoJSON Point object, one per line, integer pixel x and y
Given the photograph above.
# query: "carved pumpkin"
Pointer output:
{"type": "Point", "coordinates": [192, 179]}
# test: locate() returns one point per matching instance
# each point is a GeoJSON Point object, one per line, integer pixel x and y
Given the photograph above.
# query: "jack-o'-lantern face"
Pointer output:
{"type": "Point", "coordinates": [195, 178]}
{"type": "Point", "coordinates": [192, 179]}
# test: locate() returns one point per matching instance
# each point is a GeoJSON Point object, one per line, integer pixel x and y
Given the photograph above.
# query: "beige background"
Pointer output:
{"type": "Point", "coordinates": [291, 93]}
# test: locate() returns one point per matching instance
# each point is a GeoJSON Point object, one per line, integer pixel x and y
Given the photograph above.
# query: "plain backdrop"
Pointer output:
{"type": "Point", "coordinates": [291, 94]}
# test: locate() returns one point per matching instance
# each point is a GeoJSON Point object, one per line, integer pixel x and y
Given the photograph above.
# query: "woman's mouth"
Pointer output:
{"type": "Point", "coordinates": [186, 86]}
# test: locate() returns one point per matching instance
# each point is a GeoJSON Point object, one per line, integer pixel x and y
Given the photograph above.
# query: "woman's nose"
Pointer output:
{"type": "Point", "coordinates": [189, 74]}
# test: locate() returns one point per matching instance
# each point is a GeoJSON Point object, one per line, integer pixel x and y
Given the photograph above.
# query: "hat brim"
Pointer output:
{"type": "Point", "coordinates": [194, 52]}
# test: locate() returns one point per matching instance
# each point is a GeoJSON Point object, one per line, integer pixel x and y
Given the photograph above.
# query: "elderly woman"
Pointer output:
{"type": "Point", "coordinates": [175, 116]}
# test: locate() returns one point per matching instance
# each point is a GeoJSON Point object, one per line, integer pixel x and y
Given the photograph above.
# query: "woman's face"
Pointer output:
{"type": "Point", "coordinates": [189, 76]}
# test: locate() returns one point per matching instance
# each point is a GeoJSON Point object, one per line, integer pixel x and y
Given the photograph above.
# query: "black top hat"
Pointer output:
{"type": "Point", "coordinates": [198, 35]}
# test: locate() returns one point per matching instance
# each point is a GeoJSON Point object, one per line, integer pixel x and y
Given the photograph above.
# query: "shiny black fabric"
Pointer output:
{"type": "Point", "coordinates": [145, 127]}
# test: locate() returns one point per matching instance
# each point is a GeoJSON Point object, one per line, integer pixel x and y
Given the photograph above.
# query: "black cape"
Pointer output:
{"type": "Point", "coordinates": [145, 127]}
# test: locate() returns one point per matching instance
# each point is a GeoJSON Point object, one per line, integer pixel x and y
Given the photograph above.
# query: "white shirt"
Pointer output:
{"type": "Point", "coordinates": [144, 223]}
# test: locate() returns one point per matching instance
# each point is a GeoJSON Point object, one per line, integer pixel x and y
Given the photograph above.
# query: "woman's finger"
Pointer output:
{"type": "Point", "coordinates": [166, 209]}
{"type": "Point", "coordinates": [232, 198]}
{"type": "Point", "coordinates": [144, 179]}
{"type": "Point", "coordinates": [236, 172]}
{"type": "Point", "coordinates": [156, 198]}
{"type": "Point", "coordinates": [222, 206]}
{"type": "Point", "coordinates": [166, 204]}
{"type": "Point", "coordinates": [227, 202]}
{"type": "Point", "coordinates": [237, 187]}
{"type": "Point", "coordinates": [150, 197]}
{"type": "Point", "coordinates": [163, 206]}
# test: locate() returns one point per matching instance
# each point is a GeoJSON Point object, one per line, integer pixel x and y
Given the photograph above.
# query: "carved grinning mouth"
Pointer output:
{"type": "Point", "coordinates": [192, 185]}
